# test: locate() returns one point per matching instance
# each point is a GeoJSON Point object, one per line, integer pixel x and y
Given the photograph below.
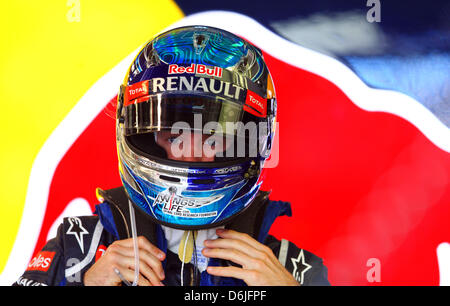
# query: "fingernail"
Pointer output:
{"type": "Point", "coordinates": [220, 230]}
{"type": "Point", "coordinates": [161, 255]}
{"type": "Point", "coordinates": [205, 250]}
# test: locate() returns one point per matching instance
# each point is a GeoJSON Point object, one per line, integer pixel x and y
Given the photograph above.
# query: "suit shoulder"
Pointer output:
{"type": "Point", "coordinates": [306, 267]}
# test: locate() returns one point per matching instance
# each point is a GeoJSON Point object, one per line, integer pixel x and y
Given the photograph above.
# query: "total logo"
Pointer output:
{"type": "Point", "coordinates": [41, 262]}
{"type": "Point", "coordinates": [196, 69]}
{"type": "Point", "coordinates": [255, 104]}
{"type": "Point", "coordinates": [137, 90]}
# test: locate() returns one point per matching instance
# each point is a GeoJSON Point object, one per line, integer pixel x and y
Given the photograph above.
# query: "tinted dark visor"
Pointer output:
{"type": "Point", "coordinates": [205, 115]}
{"type": "Point", "coordinates": [197, 113]}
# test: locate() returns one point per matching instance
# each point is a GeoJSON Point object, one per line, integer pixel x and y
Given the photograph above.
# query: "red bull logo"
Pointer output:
{"type": "Point", "coordinates": [196, 69]}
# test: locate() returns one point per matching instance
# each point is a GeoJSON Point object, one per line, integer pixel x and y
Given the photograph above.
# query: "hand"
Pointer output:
{"type": "Point", "coordinates": [260, 267]}
{"type": "Point", "coordinates": [120, 255]}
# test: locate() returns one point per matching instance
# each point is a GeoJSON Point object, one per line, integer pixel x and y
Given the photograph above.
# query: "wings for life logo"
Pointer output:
{"type": "Point", "coordinates": [180, 206]}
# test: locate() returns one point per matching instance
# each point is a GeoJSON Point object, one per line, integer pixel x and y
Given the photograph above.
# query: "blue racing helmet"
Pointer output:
{"type": "Point", "coordinates": [195, 124]}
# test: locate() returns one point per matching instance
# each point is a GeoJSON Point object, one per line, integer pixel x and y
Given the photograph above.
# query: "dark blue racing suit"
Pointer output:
{"type": "Point", "coordinates": [81, 241]}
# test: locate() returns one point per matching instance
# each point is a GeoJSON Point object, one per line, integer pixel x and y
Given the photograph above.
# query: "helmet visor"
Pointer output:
{"type": "Point", "coordinates": [223, 126]}
{"type": "Point", "coordinates": [196, 113]}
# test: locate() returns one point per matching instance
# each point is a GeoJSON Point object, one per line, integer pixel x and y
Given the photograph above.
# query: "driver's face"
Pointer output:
{"type": "Point", "coordinates": [191, 147]}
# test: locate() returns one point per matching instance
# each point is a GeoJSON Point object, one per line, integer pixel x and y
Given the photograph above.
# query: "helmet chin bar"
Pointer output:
{"type": "Point", "coordinates": [192, 227]}
{"type": "Point", "coordinates": [172, 190]}
{"type": "Point", "coordinates": [159, 188]}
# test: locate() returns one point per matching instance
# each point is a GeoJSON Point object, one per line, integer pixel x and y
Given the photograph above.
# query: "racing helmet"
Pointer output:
{"type": "Point", "coordinates": [202, 84]}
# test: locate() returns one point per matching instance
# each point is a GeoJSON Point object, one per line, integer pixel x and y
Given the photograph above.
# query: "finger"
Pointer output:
{"type": "Point", "coordinates": [239, 245]}
{"type": "Point", "coordinates": [229, 254]}
{"type": "Point", "coordinates": [265, 252]}
{"type": "Point", "coordinates": [129, 276]}
{"type": "Point", "coordinates": [120, 276]}
{"type": "Point", "coordinates": [231, 234]}
{"type": "Point", "coordinates": [146, 257]}
{"type": "Point", "coordinates": [144, 244]}
{"type": "Point", "coordinates": [144, 269]}
{"type": "Point", "coordinates": [235, 272]}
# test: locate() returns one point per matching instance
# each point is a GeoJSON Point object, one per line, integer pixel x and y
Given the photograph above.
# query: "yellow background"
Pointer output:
{"type": "Point", "coordinates": [47, 62]}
